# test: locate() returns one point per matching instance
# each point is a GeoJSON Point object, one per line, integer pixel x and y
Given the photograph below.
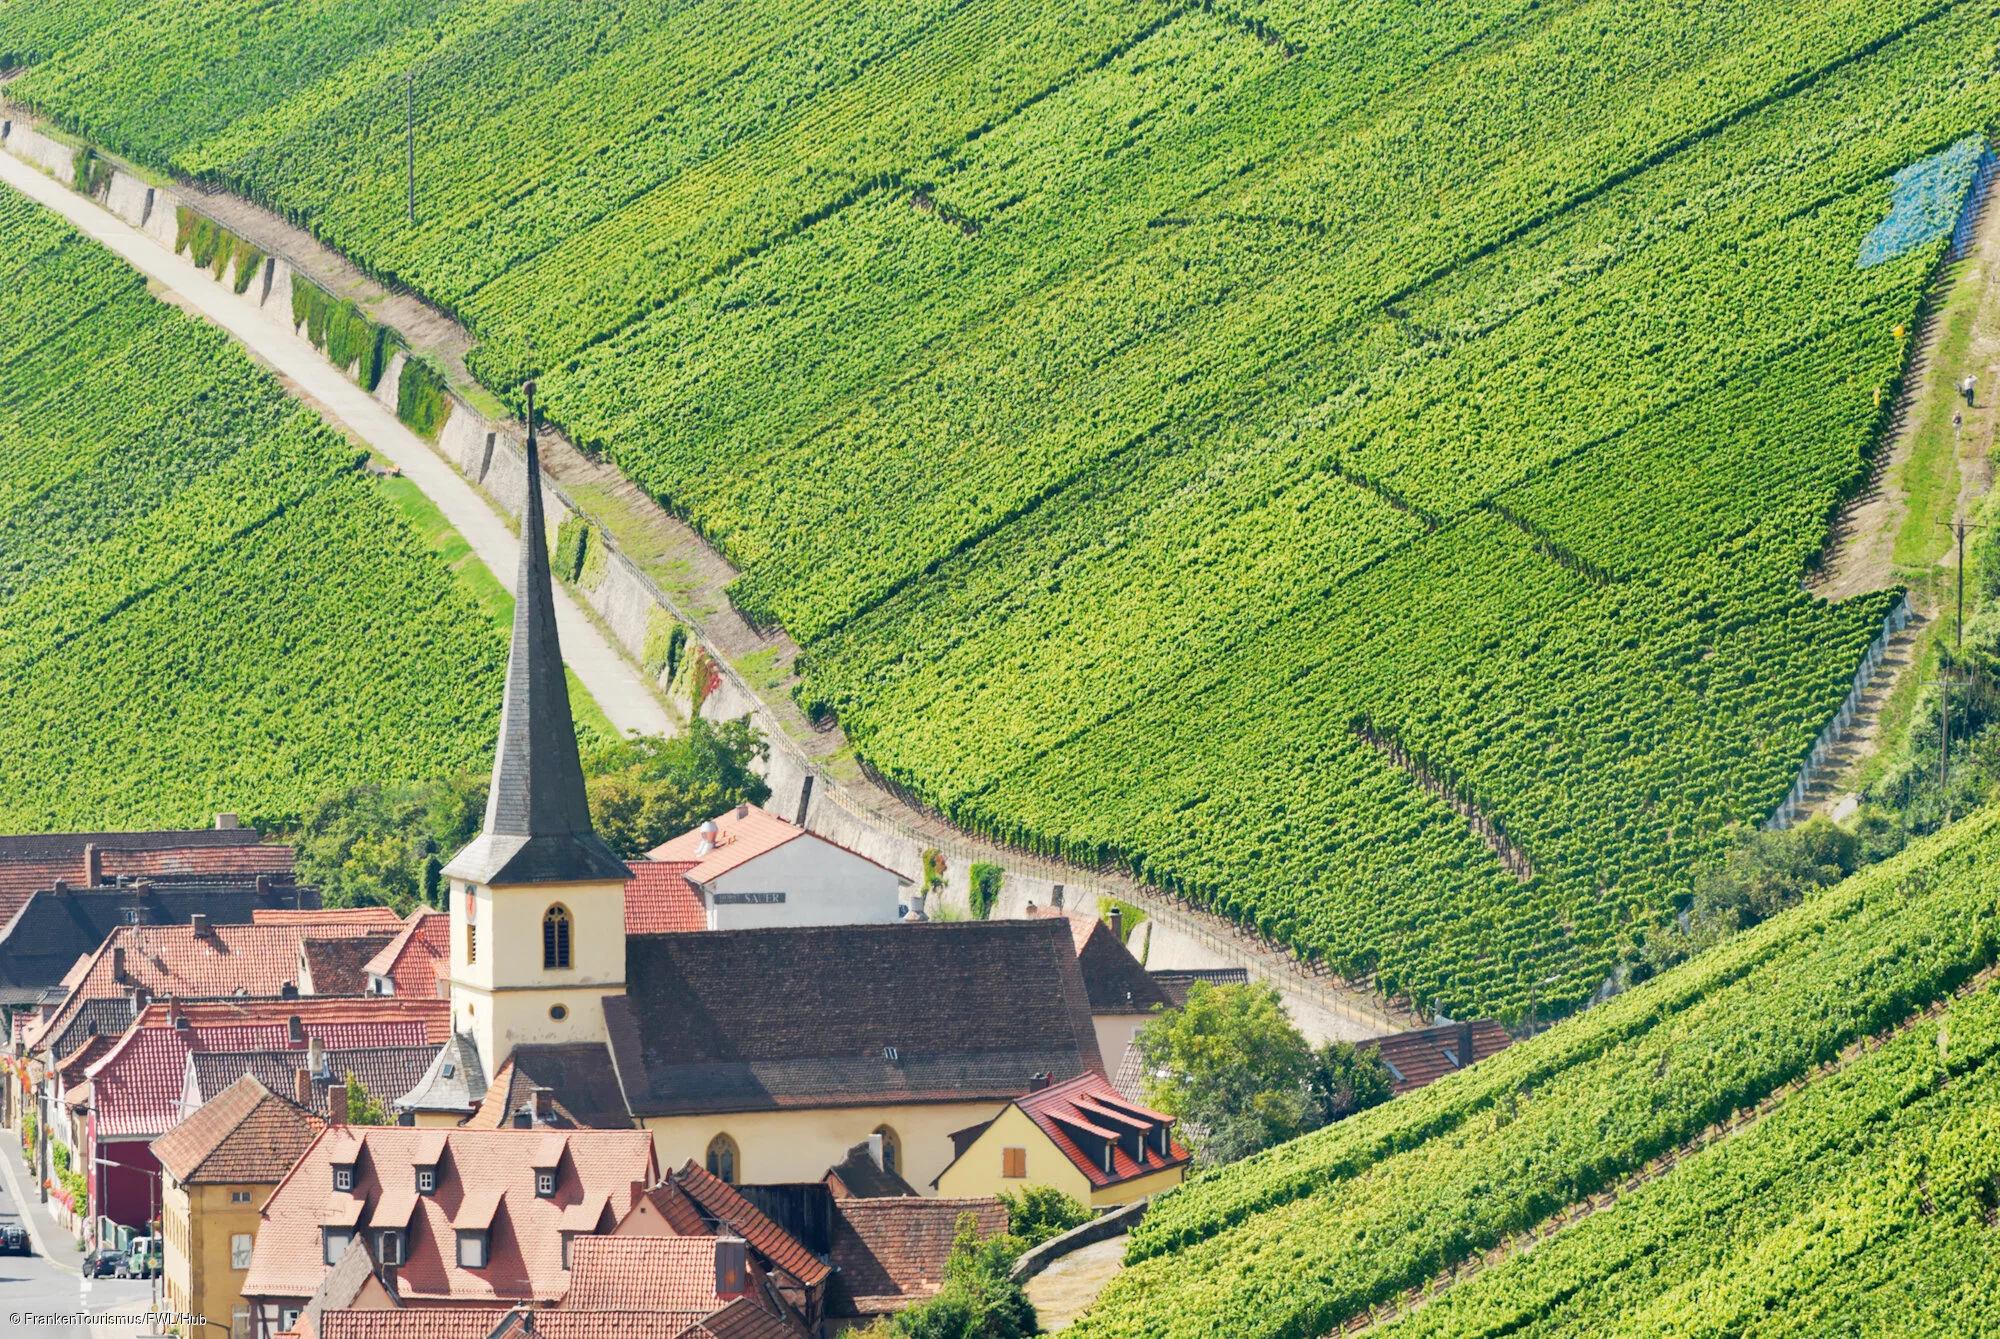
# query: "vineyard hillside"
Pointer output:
{"type": "Point", "coordinates": [205, 604]}
{"type": "Point", "coordinates": [1798, 1133]}
{"type": "Point", "coordinates": [1352, 465]}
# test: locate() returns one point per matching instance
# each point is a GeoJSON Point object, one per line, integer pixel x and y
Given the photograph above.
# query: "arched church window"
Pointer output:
{"type": "Point", "coordinates": [722, 1158]}
{"type": "Point", "coordinates": [555, 936]}
{"type": "Point", "coordinates": [892, 1150]}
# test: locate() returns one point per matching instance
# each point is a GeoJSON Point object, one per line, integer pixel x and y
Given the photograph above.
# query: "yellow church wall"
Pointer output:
{"type": "Point", "coordinates": [508, 923]}
{"type": "Point", "coordinates": [799, 1145]}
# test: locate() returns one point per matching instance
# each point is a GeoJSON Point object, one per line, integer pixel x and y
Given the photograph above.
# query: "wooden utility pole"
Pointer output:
{"type": "Point", "coordinates": [1958, 528]}
{"type": "Point", "coordinates": [410, 140]}
{"type": "Point", "coordinates": [1944, 684]}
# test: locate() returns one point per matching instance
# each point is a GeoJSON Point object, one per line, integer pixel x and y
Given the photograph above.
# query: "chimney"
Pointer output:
{"type": "Point", "coordinates": [302, 1088]}
{"type": "Point", "coordinates": [60, 888]}
{"type": "Point", "coordinates": [263, 885]}
{"type": "Point", "coordinates": [227, 823]}
{"type": "Point", "coordinates": [93, 866]}
{"type": "Point", "coordinates": [336, 1104]}
{"type": "Point", "coordinates": [1117, 922]}
{"type": "Point", "coordinates": [1037, 1082]}
{"type": "Point", "coordinates": [732, 1266]}
{"type": "Point", "coordinates": [199, 923]}
{"type": "Point", "coordinates": [118, 964]}
{"type": "Point", "coordinates": [875, 1149]}
{"type": "Point", "coordinates": [295, 1031]}
{"type": "Point", "coordinates": [544, 1106]}
{"type": "Point", "coordinates": [142, 888]}
{"type": "Point", "coordinates": [743, 811]}
{"type": "Point", "coordinates": [1464, 1045]}
{"type": "Point", "coordinates": [316, 1058]}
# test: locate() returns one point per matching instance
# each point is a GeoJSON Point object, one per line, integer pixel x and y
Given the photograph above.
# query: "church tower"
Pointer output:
{"type": "Point", "coordinates": [537, 899]}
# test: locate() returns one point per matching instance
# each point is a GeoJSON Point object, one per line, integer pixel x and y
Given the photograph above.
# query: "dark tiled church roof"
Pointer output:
{"type": "Point", "coordinates": [581, 1083]}
{"type": "Point", "coordinates": [746, 1020]}
{"type": "Point", "coordinates": [537, 827]}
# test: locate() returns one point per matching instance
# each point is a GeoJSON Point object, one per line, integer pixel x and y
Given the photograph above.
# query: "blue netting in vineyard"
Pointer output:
{"type": "Point", "coordinates": [1928, 198]}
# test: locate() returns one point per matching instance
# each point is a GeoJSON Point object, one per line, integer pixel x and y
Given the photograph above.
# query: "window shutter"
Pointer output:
{"type": "Point", "coordinates": [1013, 1162]}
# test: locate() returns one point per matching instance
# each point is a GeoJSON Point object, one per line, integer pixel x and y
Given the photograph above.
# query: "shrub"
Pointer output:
{"type": "Point", "coordinates": [985, 888]}
{"type": "Point", "coordinates": [1037, 1213]}
{"type": "Point", "coordinates": [421, 401]}
{"type": "Point", "coordinates": [572, 539]}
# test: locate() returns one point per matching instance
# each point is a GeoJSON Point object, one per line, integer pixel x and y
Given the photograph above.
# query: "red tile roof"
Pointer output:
{"type": "Point", "coordinates": [334, 966]}
{"type": "Point", "coordinates": [455, 1322]}
{"type": "Point", "coordinates": [138, 1083]}
{"type": "Point", "coordinates": [418, 956]}
{"type": "Point", "coordinates": [1425, 1055]}
{"type": "Point", "coordinates": [659, 899]}
{"type": "Point", "coordinates": [364, 920]}
{"type": "Point", "coordinates": [29, 871]}
{"type": "Point", "coordinates": [172, 960]}
{"type": "Point", "coordinates": [888, 1253]}
{"type": "Point", "coordinates": [483, 1176]}
{"type": "Point", "coordinates": [1084, 1114]}
{"type": "Point", "coordinates": [643, 1274]}
{"type": "Point", "coordinates": [742, 834]}
{"type": "Point", "coordinates": [246, 1134]}
{"type": "Point", "coordinates": [722, 1202]}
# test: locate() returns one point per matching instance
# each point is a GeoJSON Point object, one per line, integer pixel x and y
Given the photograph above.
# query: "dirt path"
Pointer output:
{"type": "Point", "coordinates": [1065, 1290]}
{"type": "Point", "coordinates": [620, 693]}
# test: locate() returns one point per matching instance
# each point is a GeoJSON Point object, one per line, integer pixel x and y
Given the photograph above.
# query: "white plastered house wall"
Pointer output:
{"type": "Point", "coordinates": [806, 881]}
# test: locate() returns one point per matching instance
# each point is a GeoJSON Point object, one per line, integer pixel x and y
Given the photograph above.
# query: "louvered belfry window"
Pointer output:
{"type": "Point", "coordinates": [555, 936]}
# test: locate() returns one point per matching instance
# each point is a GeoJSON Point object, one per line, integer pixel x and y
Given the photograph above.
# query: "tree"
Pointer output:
{"type": "Point", "coordinates": [1347, 1079]}
{"type": "Point", "coordinates": [1761, 874]}
{"type": "Point", "coordinates": [1036, 1213]}
{"type": "Point", "coordinates": [363, 1109]}
{"type": "Point", "coordinates": [1232, 1068]}
{"type": "Point", "coordinates": [646, 790]}
{"type": "Point", "coordinates": [978, 1300]}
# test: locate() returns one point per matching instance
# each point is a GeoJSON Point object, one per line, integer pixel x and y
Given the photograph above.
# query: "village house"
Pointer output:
{"type": "Point", "coordinates": [748, 868]}
{"type": "Point", "coordinates": [1079, 1136]}
{"type": "Point", "coordinates": [449, 1091]}
{"type": "Point", "coordinates": [1422, 1056]}
{"type": "Point", "coordinates": [383, 1071]}
{"type": "Point", "coordinates": [217, 1168]}
{"type": "Point", "coordinates": [417, 961]}
{"type": "Point", "coordinates": [1124, 997]}
{"type": "Point", "coordinates": [450, 1218]}
{"type": "Point", "coordinates": [889, 1254]}
{"type": "Point", "coordinates": [226, 853]}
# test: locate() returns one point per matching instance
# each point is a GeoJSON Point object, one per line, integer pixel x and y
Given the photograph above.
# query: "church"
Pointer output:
{"type": "Point", "coordinates": [762, 1054]}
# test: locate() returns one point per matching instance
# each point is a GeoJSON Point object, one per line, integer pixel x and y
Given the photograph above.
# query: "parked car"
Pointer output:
{"type": "Point", "coordinates": [103, 1261]}
{"type": "Point", "coordinates": [14, 1241]}
{"type": "Point", "coordinates": [142, 1259]}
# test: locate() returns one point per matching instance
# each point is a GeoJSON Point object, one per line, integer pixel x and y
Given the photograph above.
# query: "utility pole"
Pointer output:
{"type": "Point", "coordinates": [410, 139]}
{"type": "Point", "coordinates": [1944, 684]}
{"type": "Point", "coordinates": [1958, 528]}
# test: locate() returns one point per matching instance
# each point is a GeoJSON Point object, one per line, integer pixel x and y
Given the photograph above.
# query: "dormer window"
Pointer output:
{"type": "Point", "coordinates": [335, 1241]}
{"type": "Point", "coordinates": [343, 1176]}
{"type": "Point", "coordinates": [472, 1250]}
{"type": "Point", "coordinates": [1160, 1139]}
{"type": "Point", "coordinates": [427, 1180]}
{"type": "Point", "coordinates": [389, 1246]}
{"type": "Point", "coordinates": [1109, 1146]}
{"type": "Point", "coordinates": [545, 1182]}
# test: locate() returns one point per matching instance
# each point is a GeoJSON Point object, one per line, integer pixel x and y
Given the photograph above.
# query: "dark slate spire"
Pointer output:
{"type": "Point", "coordinates": [537, 826]}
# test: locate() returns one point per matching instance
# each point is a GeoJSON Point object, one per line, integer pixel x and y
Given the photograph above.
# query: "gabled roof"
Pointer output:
{"type": "Point", "coordinates": [888, 1253]}
{"type": "Point", "coordinates": [660, 900]}
{"type": "Point", "coordinates": [335, 966]}
{"type": "Point", "coordinates": [1117, 984]}
{"type": "Point", "coordinates": [537, 827]}
{"type": "Point", "coordinates": [139, 1082]}
{"type": "Point", "coordinates": [49, 931]}
{"type": "Point", "coordinates": [857, 1177]}
{"type": "Point", "coordinates": [259, 960]}
{"type": "Point", "coordinates": [386, 1072]}
{"type": "Point", "coordinates": [742, 834]}
{"type": "Point", "coordinates": [746, 1020]}
{"type": "Point", "coordinates": [644, 1274]}
{"type": "Point", "coordinates": [352, 1283]}
{"type": "Point", "coordinates": [418, 956]}
{"type": "Point", "coordinates": [721, 1203]}
{"type": "Point", "coordinates": [485, 1177]}
{"type": "Point", "coordinates": [35, 861]}
{"type": "Point", "coordinates": [453, 1081]}
{"type": "Point", "coordinates": [454, 1322]}
{"type": "Point", "coordinates": [581, 1082]}
{"type": "Point", "coordinates": [1425, 1055]}
{"type": "Point", "coordinates": [246, 1134]}
{"type": "Point", "coordinates": [1082, 1115]}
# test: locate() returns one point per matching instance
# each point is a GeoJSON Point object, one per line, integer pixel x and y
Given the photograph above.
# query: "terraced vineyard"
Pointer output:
{"type": "Point", "coordinates": [204, 604]}
{"type": "Point", "coordinates": [1230, 442]}
{"type": "Point", "coordinates": [1863, 1203]}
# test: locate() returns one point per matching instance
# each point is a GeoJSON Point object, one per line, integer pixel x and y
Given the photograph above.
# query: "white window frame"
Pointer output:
{"type": "Point", "coordinates": [239, 1197]}
{"type": "Point", "coordinates": [480, 1245]}
{"type": "Point", "coordinates": [427, 1180]}
{"type": "Point", "coordinates": [389, 1246]}
{"type": "Point", "coordinates": [240, 1244]}
{"type": "Point", "coordinates": [545, 1183]}
{"type": "Point", "coordinates": [343, 1178]}
{"type": "Point", "coordinates": [328, 1236]}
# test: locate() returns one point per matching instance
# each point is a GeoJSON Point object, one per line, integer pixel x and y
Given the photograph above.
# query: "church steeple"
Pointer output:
{"type": "Point", "coordinates": [537, 827]}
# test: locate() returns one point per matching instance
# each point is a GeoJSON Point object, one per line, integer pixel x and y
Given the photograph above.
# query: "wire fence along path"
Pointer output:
{"type": "Point", "coordinates": [1836, 729]}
